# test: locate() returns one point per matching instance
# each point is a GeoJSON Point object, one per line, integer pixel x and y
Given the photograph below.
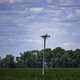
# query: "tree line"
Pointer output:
{"type": "Point", "coordinates": [57, 57]}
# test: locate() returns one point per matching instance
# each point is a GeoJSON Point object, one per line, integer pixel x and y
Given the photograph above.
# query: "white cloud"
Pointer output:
{"type": "Point", "coordinates": [7, 1]}
{"type": "Point", "coordinates": [70, 45]}
{"type": "Point", "coordinates": [66, 2]}
{"type": "Point", "coordinates": [67, 43]}
{"type": "Point", "coordinates": [77, 12]}
{"type": "Point", "coordinates": [35, 41]}
{"type": "Point", "coordinates": [36, 10]}
{"type": "Point", "coordinates": [49, 1]}
{"type": "Point", "coordinates": [75, 34]}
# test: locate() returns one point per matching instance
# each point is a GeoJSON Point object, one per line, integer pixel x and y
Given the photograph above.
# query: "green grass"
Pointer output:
{"type": "Point", "coordinates": [35, 74]}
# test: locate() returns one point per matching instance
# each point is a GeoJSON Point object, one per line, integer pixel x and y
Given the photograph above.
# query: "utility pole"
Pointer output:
{"type": "Point", "coordinates": [43, 63]}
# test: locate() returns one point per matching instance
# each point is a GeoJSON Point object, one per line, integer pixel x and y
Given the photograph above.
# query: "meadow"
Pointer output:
{"type": "Point", "coordinates": [36, 74]}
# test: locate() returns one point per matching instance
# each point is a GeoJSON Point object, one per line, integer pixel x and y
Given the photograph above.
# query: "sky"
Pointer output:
{"type": "Point", "coordinates": [22, 22]}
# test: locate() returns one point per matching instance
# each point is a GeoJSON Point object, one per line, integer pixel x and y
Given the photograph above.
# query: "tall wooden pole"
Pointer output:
{"type": "Point", "coordinates": [43, 63]}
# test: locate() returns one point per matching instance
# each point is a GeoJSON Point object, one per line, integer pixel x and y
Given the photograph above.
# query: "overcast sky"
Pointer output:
{"type": "Point", "coordinates": [22, 22]}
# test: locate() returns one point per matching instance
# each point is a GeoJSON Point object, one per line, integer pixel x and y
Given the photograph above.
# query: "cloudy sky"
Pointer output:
{"type": "Point", "coordinates": [22, 22]}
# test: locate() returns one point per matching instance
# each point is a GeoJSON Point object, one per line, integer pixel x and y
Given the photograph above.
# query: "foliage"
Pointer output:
{"type": "Point", "coordinates": [57, 57]}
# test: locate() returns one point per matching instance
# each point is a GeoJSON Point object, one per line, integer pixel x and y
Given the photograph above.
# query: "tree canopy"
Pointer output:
{"type": "Point", "coordinates": [57, 57]}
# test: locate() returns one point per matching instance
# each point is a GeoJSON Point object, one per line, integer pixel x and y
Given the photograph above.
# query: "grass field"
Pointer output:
{"type": "Point", "coordinates": [35, 74]}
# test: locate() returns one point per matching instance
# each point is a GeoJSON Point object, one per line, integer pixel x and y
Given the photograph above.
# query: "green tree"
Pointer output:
{"type": "Point", "coordinates": [8, 61]}
{"type": "Point", "coordinates": [29, 58]}
{"type": "Point", "coordinates": [57, 57]}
